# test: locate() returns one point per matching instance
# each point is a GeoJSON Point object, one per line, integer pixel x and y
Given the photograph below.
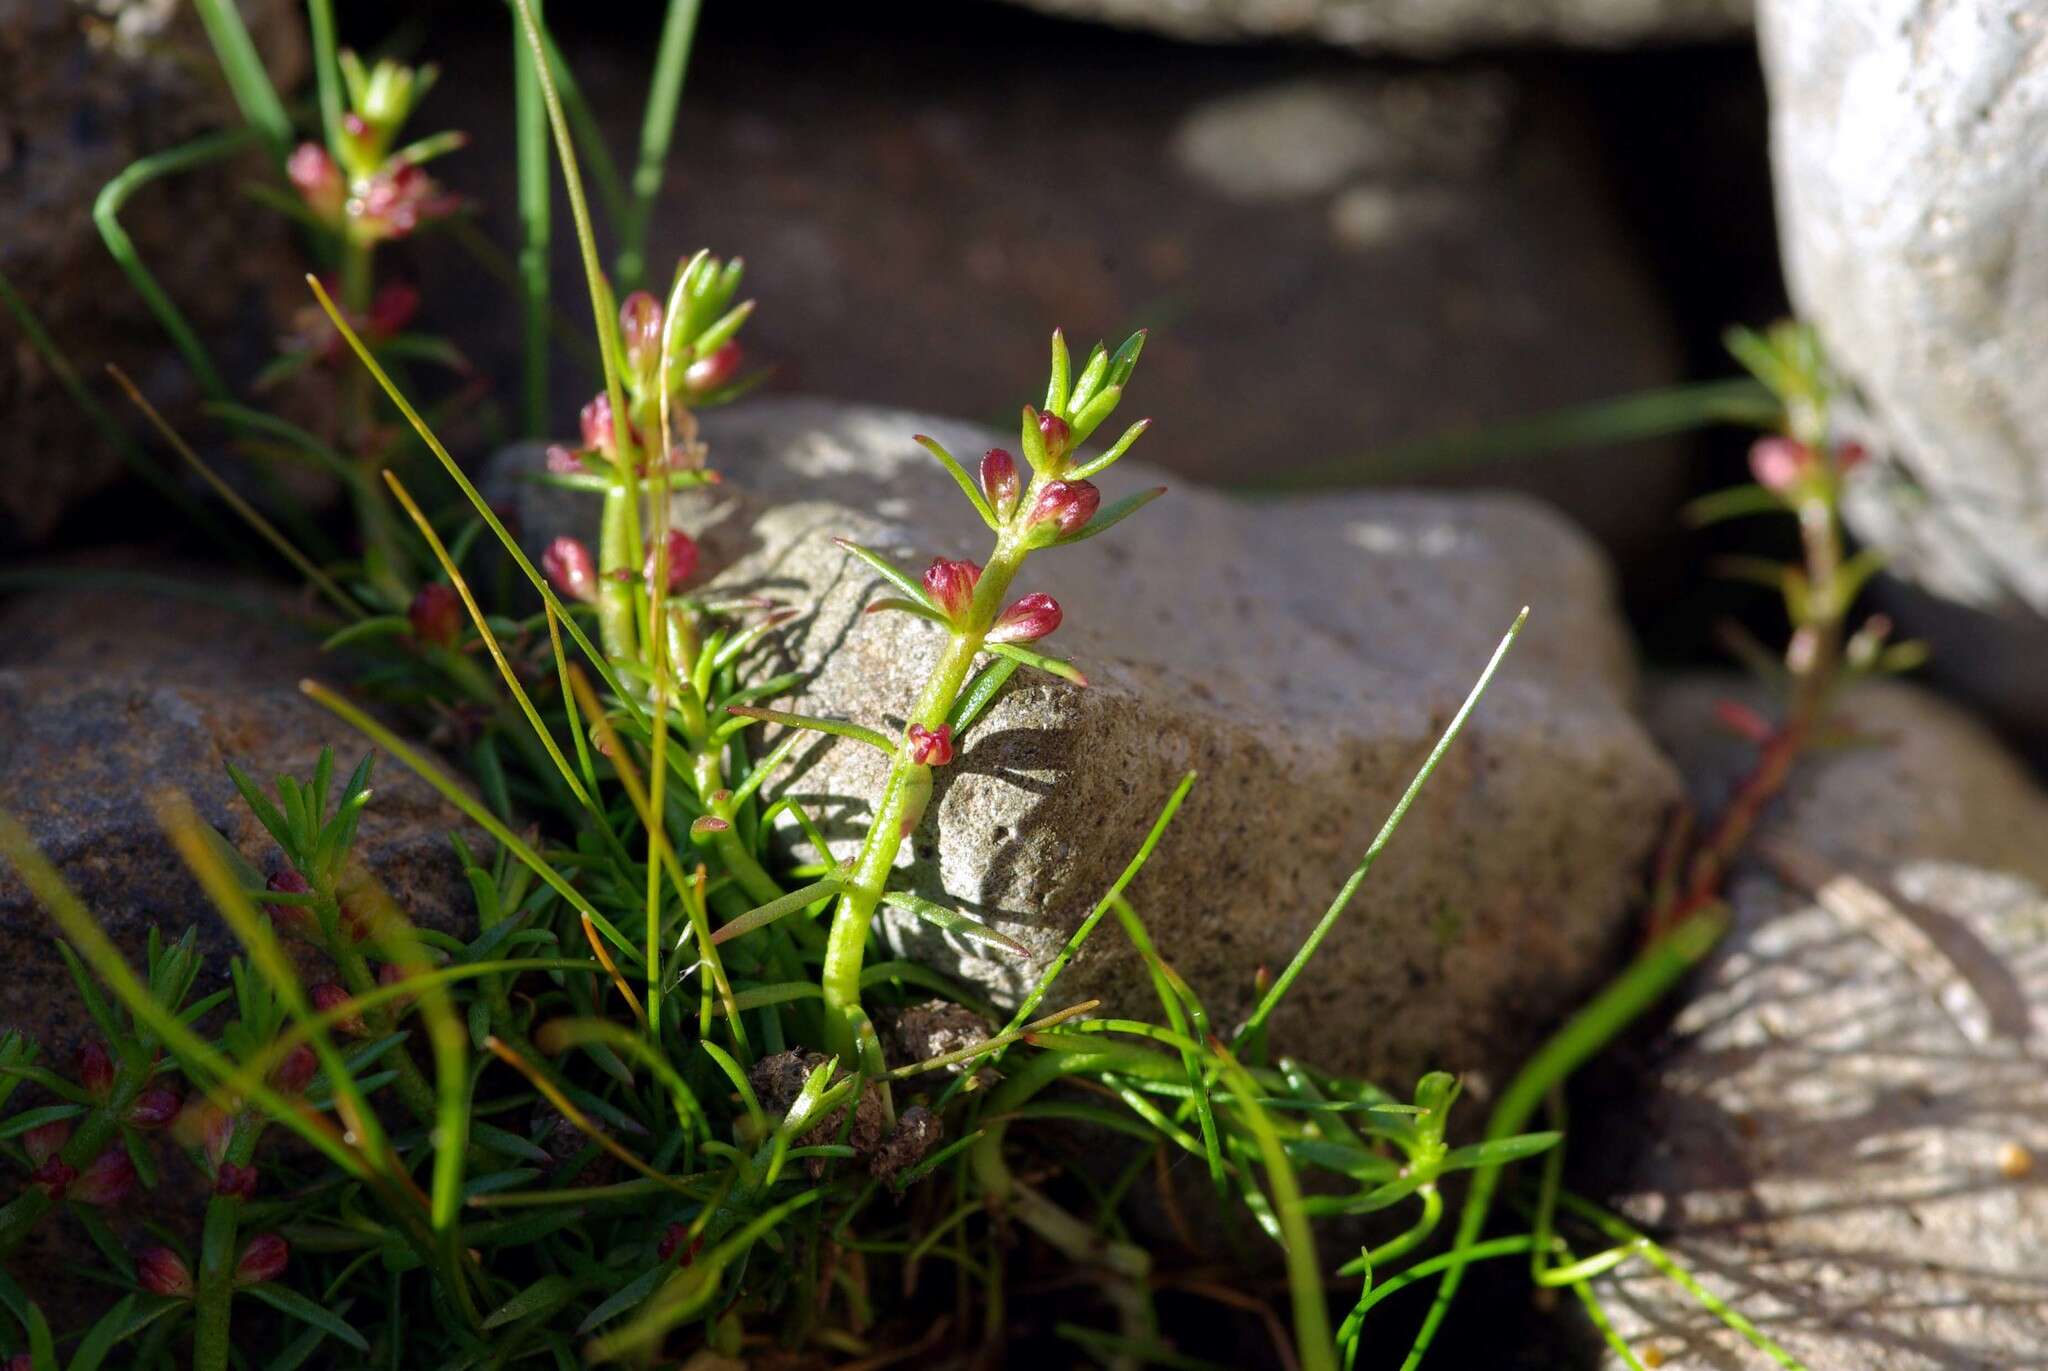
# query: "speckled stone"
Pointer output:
{"type": "Point", "coordinates": [1302, 655]}
{"type": "Point", "coordinates": [1834, 1132]}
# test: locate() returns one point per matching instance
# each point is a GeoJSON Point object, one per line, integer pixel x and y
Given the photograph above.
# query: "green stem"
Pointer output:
{"type": "Point", "coordinates": [618, 626]}
{"type": "Point", "coordinates": [215, 1286]}
{"type": "Point", "coordinates": [904, 794]}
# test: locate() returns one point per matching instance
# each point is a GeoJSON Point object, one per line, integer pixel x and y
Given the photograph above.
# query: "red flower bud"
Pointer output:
{"type": "Point", "coordinates": [317, 180]}
{"type": "Point", "coordinates": [326, 996]}
{"type": "Point", "coordinates": [392, 308]}
{"type": "Point", "coordinates": [156, 1106]}
{"type": "Point", "coordinates": [1064, 508]}
{"type": "Point", "coordinates": [671, 1238]}
{"type": "Point", "coordinates": [108, 1179]}
{"type": "Point", "coordinates": [53, 1177]}
{"type": "Point", "coordinates": [640, 331]}
{"type": "Point", "coordinates": [951, 585]}
{"type": "Point", "coordinates": [1000, 484]}
{"type": "Point", "coordinates": [46, 1141]}
{"type": "Point", "coordinates": [931, 747]}
{"type": "Point", "coordinates": [238, 1181]}
{"type": "Point", "coordinates": [262, 1260]}
{"type": "Point", "coordinates": [436, 614]}
{"type": "Point", "coordinates": [1850, 455]}
{"type": "Point", "coordinates": [563, 461]}
{"type": "Point", "coordinates": [1057, 435]}
{"type": "Point", "coordinates": [714, 372]}
{"type": "Point", "coordinates": [161, 1271]}
{"type": "Point", "coordinates": [1029, 619]}
{"type": "Point", "coordinates": [293, 916]}
{"type": "Point", "coordinates": [682, 560]}
{"type": "Point", "coordinates": [21, 1361]}
{"type": "Point", "coordinates": [1778, 463]}
{"type": "Point", "coordinates": [95, 1068]}
{"type": "Point", "coordinates": [291, 1075]}
{"type": "Point", "coordinates": [568, 564]}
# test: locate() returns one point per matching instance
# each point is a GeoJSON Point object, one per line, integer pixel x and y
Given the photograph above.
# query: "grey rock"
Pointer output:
{"type": "Point", "coordinates": [1832, 1128]}
{"type": "Point", "coordinates": [87, 87]}
{"type": "Point", "coordinates": [1910, 143]}
{"type": "Point", "coordinates": [1341, 263]}
{"type": "Point", "coordinates": [108, 696]}
{"type": "Point", "coordinates": [1422, 27]}
{"type": "Point", "coordinates": [1302, 655]}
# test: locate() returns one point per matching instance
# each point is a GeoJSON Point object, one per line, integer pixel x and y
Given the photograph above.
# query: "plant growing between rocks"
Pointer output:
{"type": "Point", "coordinates": [673, 1100]}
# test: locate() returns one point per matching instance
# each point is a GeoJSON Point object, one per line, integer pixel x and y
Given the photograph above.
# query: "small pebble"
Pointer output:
{"type": "Point", "coordinates": [2015, 1163]}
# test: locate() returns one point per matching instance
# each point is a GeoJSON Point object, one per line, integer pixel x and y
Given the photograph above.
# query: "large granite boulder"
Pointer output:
{"type": "Point", "coordinates": [86, 89]}
{"type": "Point", "coordinates": [1910, 140]}
{"type": "Point", "coordinates": [111, 692]}
{"type": "Point", "coordinates": [1843, 1131]}
{"type": "Point", "coordinates": [1302, 655]}
{"type": "Point", "coordinates": [1423, 27]}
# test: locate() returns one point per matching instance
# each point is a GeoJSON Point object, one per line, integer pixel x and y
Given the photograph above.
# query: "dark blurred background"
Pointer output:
{"type": "Point", "coordinates": [1356, 267]}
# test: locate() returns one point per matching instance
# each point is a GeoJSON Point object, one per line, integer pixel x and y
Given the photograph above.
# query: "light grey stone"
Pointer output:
{"type": "Point", "coordinates": [1423, 27]}
{"type": "Point", "coordinates": [1910, 145]}
{"type": "Point", "coordinates": [1302, 655]}
{"type": "Point", "coordinates": [1830, 1123]}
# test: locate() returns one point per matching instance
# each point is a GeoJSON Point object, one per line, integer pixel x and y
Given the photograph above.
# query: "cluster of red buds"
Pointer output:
{"type": "Point", "coordinates": [1793, 470]}
{"type": "Point", "coordinates": [364, 188]}
{"type": "Point", "coordinates": [313, 337]}
{"type": "Point", "coordinates": [160, 1271]}
{"type": "Point", "coordinates": [107, 1179]}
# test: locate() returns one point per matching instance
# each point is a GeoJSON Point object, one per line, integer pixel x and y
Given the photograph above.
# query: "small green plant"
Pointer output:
{"type": "Point", "coordinates": [669, 1100]}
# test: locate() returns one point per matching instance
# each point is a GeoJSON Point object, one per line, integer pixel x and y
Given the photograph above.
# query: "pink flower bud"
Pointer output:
{"type": "Point", "coordinates": [317, 180]}
{"type": "Point", "coordinates": [931, 747]}
{"type": "Point", "coordinates": [95, 1068]}
{"type": "Point", "coordinates": [568, 564]}
{"type": "Point", "coordinates": [563, 461]}
{"type": "Point", "coordinates": [238, 1181]}
{"type": "Point", "coordinates": [262, 1260]}
{"type": "Point", "coordinates": [951, 585]}
{"type": "Point", "coordinates": [392, 309]}
{"type": "Point", "coordinates": [295, 1071]}
{"type": "Point", "coordinates": [161, 1271]}
{"type": "Point", "coordinates": [1778, 463]}
{"type": "Point", "coordinates": [640, 331]}
{"type": "Point", "coordinates": [1057, 436]}
{"type": "Point", "coordinates": [436, 614]}
{"type": "Point", "coordinates": [156, 1106]}
{"type": "Point", "coordinates": [21, 1361]}
{"type": "Point", "coordinates": [1063, 508]}
{"type": "Point", "coordinates": [108, 1179]}
{"type": "Point", "coordinates": [1000, 484]}
{"type": "Point", "coordinates": [600, 433]}
{"type": "Point", "coordinates": [1850, 455]}
{"type": "Point", "coordinates": [46, 1141]}
{"type": "Point", "coordinates": [1029, 619]}
{"type": "Point", "coordinates": [714, 372]}
{"type": "Point", "coordinates": [682, 560]}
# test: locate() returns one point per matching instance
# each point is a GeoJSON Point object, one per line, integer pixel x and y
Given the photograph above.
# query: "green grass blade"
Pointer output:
{"type": "Point", "coordinates": [326, 72]}
{"type": "Point", "coordinates": [1586, 1032]}
{"type": "Point", "coordinates": [106, 215]}
{"type": "Point", "coordinates": [1357, 878]}
{"type": "Point", "coordinates": [530, 142]}
{"type": "Point", "coordinates": [247, 80]}
{"type": "Point", "coordinates": [319, 579]}
{"type": "Point", "coordinates": [657, 129]}
{"type": "Point", "coordinates": [1627, 418]}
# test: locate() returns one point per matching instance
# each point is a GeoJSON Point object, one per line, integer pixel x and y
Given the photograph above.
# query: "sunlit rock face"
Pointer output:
{"type": "Point", "coordinates": [1301, 655]}
{"type": "Point", "coordinates": [1843, 1132]}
